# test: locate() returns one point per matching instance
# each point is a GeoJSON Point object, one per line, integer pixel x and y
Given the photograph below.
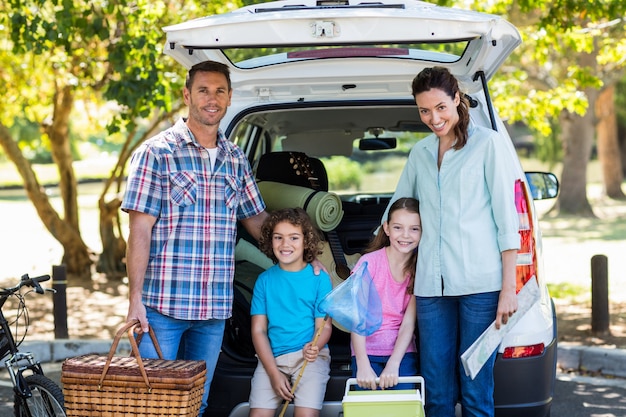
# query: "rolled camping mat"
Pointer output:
{"type": "Point", "coordinates": [324, 208]}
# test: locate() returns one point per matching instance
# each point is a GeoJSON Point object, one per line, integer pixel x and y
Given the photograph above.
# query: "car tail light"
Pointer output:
{"type": "Point", "coordinates": [526, 265]}
{"type": "Point", "coordinates": [523, 351]}
{"type": "Point", "coordinates": [526, 256]}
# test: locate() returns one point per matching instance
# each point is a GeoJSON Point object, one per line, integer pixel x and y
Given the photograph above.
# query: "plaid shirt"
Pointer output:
{"type": "Point", "coordinates": [192, 248]}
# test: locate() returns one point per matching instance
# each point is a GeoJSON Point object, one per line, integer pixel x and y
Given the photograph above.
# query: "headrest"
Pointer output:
{"type": "Point", "coordinates": [293, 168]}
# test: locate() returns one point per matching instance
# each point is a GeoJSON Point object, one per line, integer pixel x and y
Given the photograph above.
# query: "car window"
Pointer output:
{"type": "Point", "coordinates": [248, 58]}
{"type": "Point", "coordinates": [358, 163]}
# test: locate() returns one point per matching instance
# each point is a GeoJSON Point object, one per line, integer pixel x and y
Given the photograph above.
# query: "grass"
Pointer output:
{"type": "Point", "coordinates": [567, 291]}
{"type": "Point", "coordinates": [93, 168]}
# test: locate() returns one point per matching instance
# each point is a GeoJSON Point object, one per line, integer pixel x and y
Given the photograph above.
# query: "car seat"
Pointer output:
{"type": "Point", "coordinates": [293, 168]}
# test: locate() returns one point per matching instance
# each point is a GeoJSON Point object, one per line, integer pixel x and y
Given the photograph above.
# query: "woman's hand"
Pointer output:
{"type": "Point", "coordinates": [507, 306]}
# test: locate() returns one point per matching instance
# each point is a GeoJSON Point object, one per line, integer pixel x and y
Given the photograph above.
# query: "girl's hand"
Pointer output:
{"type": "Point", "coordinates": [310, 352]}
{"type": "Point", "coordinates": [388, 377]}
{"type": "Point", "coordinates": [366, 378]}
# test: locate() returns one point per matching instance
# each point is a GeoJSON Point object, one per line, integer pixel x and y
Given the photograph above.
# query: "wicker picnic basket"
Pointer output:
{"type": "Point", "coordinates": [95, 385]}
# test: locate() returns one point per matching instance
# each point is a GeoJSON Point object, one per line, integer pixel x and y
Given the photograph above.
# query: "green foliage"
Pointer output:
{"type": "Point", "coordinates": [111, 50]}
{"type": "Point", "coordinates": [343, 174]}
{"type": "Point", "coordinates": [568, 46]}
{"type": "Point", "coordinates": [28, 137]}
{"type": "Point", "coordinates": [107, 51]}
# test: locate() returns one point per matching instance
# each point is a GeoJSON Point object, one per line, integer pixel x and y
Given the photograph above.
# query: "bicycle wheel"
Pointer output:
{"type": "Point", "coordinates": [46, 401]}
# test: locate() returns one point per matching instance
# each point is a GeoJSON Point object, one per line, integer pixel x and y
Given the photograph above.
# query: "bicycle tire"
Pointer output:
{"type": "Point", "coordinates": [47, 399]}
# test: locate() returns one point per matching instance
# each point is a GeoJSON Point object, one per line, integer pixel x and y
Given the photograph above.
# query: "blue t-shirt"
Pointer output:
{"type": "Point", "coordinates": [290, 301]}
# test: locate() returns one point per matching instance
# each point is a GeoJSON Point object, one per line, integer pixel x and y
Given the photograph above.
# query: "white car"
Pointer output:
{"type": "Point", "coordinates": [322, 100]}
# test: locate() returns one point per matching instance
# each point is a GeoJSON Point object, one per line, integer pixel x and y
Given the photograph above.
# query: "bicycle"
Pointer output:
{"type": "Point", "coordinates": [35, 394]}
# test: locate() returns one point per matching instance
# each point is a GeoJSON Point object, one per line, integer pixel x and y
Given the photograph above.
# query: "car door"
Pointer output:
{"type": "Point", "coordinates": [275, 49]}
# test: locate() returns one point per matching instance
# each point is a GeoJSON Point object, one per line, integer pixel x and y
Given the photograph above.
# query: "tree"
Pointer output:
{"type": "Point", "coordinates": [571, 50]}
{"type": "Point", "coordinates": [620, 109]}
{"type": "Point", "coordinates": [608, 143]}
{"type": "Point", "coordinates": [55, 53]}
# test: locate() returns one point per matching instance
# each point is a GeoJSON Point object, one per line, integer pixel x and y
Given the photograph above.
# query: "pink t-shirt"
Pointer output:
{"type": "Point", "coordinates": [395, 300]}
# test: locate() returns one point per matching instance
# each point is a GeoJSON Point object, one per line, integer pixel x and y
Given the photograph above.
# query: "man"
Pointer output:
{"type": "Point", "coordinates": [187, 188]}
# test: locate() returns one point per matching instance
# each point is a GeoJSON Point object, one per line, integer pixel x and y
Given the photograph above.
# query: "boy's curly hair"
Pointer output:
{"type": "Point", "coordinates": [297, 217]}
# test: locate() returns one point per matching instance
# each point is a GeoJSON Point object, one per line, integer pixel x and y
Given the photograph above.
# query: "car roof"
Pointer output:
{"type": "Point", "coordinates": [278, 48]}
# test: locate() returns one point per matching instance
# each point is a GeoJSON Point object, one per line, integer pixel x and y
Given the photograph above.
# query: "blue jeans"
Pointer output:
{"type": "Point", "coordinates": [202, 340]}
{"type": "Point", "coordinates": [447, 327]}
{"type": "Point", "coordinates": [408, 367]}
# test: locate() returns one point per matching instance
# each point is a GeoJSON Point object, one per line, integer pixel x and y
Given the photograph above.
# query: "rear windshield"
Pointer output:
{"type": "Point", "coordinates": [248, 58]}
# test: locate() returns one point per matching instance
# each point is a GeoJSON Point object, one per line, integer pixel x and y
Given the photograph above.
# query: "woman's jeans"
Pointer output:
{"type": "Point", "coordinates": [447, 327]}
{"type": "Point", "coordinates": [201, 340]}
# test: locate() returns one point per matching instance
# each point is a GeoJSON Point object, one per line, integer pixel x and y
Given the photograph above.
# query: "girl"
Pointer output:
{"type": "Point", "coordinates": [285, 318]}
{"type": "Point", "coordinates": [391, 258]}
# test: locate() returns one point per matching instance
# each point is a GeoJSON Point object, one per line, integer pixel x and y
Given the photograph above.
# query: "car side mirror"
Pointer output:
{"type": "Point", "coordinates": [543, 185]}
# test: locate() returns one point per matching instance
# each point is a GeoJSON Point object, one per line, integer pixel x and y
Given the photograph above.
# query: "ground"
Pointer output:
{"type": "Point", "coordinates": [97, 309]}
{"type": "Point", "coordinates": [570, 244]}
{"type": "Point", "coordinates": [574, 325]}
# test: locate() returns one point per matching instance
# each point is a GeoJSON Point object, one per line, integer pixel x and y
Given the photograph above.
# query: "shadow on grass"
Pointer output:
{"type": "Point", "coordinates": [584, 229]}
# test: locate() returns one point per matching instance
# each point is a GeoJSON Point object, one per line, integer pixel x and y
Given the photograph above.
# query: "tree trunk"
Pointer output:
{"type": "Point", "coordinates": [621, 140]}
{"type": "Point", "coordinates": [578, 134]}
{"type": "Point", "coordinates": [577, 143]}
{"type": "Point", "coordinates": [608, 146]}
{"type": "Point", "coordinates": [59, 134]}
{"type": "Point", "coordinates": [77, 257]}
{"type": "Point", "coordinates": [111, 260]}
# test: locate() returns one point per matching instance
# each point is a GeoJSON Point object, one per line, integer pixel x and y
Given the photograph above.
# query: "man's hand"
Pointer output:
{"type": "Point", "coordinates": [318, 266]}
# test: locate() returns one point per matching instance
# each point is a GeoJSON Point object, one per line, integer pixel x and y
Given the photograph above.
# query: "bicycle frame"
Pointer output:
{"type": "Point", "coordinates": [17, 362]}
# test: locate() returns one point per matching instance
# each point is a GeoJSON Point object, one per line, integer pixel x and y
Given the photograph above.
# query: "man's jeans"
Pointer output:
{"type": "Point", "coordinates": [201, 340]}
{"type": "Point", "coordinates": [447, 327]}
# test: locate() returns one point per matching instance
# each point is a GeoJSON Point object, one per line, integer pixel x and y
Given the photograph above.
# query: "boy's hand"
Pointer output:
{"type": "Point", "coordinates": [310, 352]}
{"type": "Point", "coordinates": [281, 386]}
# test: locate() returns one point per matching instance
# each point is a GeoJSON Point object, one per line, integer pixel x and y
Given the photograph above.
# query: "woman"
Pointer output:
{"type": "Point", "coordinates": [465, 276]}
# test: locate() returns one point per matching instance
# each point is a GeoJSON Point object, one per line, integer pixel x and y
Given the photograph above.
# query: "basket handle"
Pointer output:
{"type": "Point", "coordinates": [128, 328]}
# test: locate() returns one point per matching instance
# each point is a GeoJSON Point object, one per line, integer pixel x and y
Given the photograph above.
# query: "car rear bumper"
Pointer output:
{"type": "Point", "coordinates": [525, 386]}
